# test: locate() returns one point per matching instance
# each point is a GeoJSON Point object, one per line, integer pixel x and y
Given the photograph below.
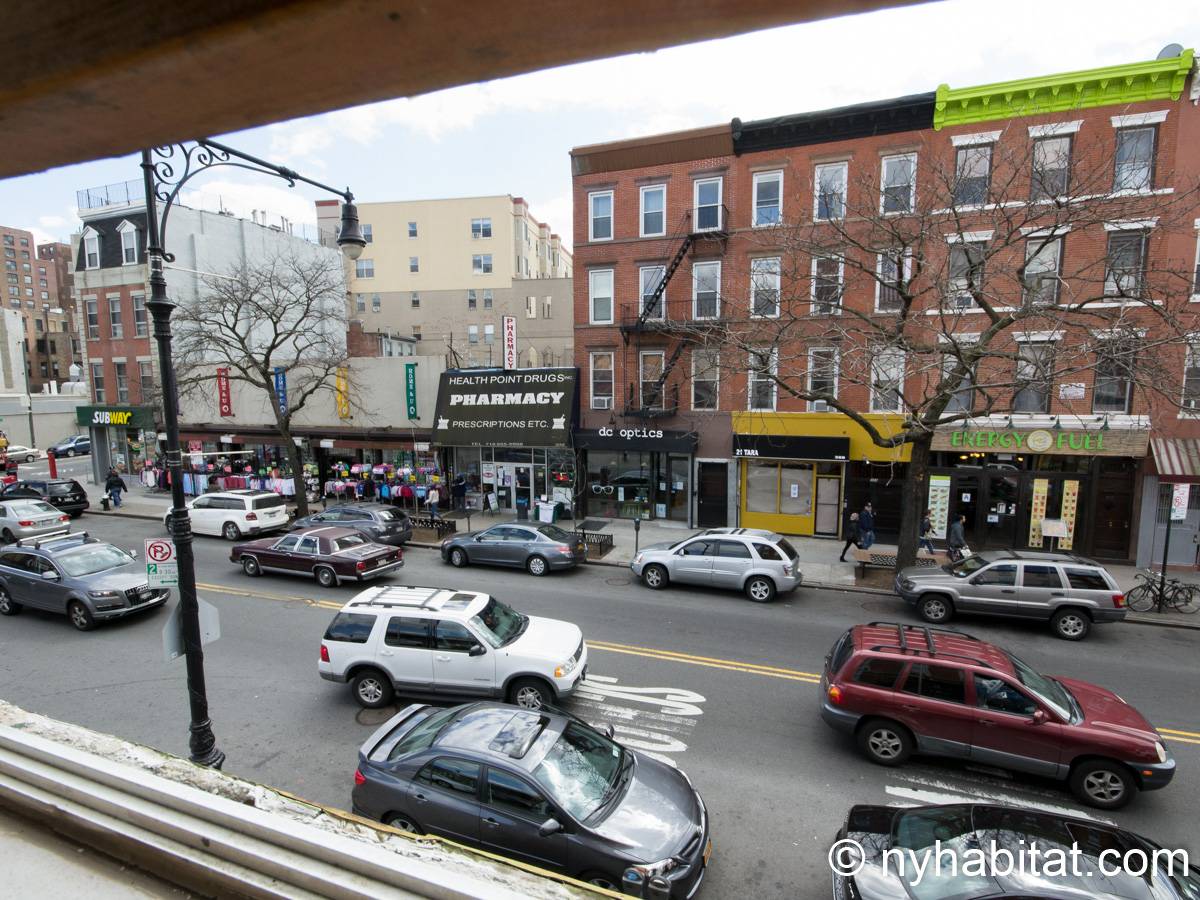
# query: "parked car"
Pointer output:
{"type": "Point", "coordinates": [330, 555]}
{"type": "Point", "coordinates": [30, 518]}
{"type": "Point", "coordinates": [536, 548]}
{"type": "Point", "coordinates": [22, 453]}
{"type": "Point", "coordinates": [760, 563]}
{"type": "Point", "coordinates": [232, 514]}
{"type": "Point", "coordinates": [952, 830]}
{"type": "Point", "coordinates": [544, 788]}
{"type": "Point", "coordinates": [379, 522]}
{"type": "Point", "coordinates": [901, 689]}
{"type": "Point", "coordinates": [66, 494]}
{"type": "Point", "coordinates": [76, 445]}
{"type": "Point", "coordinates": [1070, 592]}
{"type": "Point", "coordinates": [73, 574]}
{"type": "Point", "coordinates": [438, 642]}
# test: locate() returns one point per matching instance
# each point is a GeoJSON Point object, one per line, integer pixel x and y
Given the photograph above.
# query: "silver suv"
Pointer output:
{"type": "Point", "coordinates": [758, 562]}
{"type": "Point", "coordinates": [1071, 592]}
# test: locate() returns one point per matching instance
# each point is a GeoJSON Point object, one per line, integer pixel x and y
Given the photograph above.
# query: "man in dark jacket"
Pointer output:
{"type": "Point", "coordinates": [852, 534]}
{"type": "Point", "coordinates": [114, 484]}
{"type": "Point", "coordinates": [957, 538]}
{"type": "Point", "coordinates": [866, 526]}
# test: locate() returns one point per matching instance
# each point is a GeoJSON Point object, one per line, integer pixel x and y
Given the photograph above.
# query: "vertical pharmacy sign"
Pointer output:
{"type": "Point", "coordinates": [510, 342]}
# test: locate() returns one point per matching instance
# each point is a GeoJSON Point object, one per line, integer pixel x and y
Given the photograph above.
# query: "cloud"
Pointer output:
{"type": "Point", "coordinates": [52, 221]}
{"type": "Point", "coordinates": [242, 198]}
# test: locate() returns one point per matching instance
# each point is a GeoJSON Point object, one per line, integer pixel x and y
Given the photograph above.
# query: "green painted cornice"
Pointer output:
{"type": "Point", "coordinates": [1159, 79]}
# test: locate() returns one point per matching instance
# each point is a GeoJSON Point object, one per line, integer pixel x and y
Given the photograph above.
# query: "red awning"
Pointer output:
{"type": "Point", "coordinates": [1177, 459]}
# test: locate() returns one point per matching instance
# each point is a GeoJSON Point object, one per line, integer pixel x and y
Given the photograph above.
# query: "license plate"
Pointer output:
{"type": "Point", "coordinates": [707, 851]}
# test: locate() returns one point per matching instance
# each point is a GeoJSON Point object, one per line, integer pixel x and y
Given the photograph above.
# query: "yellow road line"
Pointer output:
{"type": "Point", "coordinates": [1179, 740]}
{"type": "Point", "coordinates": [688, 657]}
{"type": "Point", "coordinates": [287, 598]}
{"type": "Point", "coordinates": [727, 665]}
{"type": "Point", "coordinates": [1191, 734]}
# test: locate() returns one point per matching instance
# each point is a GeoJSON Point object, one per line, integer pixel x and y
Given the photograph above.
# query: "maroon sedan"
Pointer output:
{"type": "Point", "coordinates": [330, 555]}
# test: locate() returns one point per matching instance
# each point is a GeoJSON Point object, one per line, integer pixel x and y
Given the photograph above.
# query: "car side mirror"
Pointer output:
{"type": "Point", "coordinates": [549, 827]}
{"type": "Point", "coordinates": [476, 650]}
{"type": "Point", "coordinates": [1039, 717]}
{"type": "Point", "coordinates": [50, 575]}
{"type": "Point", "coordinates": [607, 730]}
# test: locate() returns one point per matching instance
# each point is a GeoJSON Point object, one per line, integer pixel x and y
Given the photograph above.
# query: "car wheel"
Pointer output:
{"type": "Point", "coordinates": [373, 689]}
{"type": "Point", "coordinates": [602, 881]}
{"type": "Point", "coordinates": [885, 742]}
{"type": "Point", "coordinates": [326, 577]}
{"type": "Point", "coordinates": [1071, 624]}
{"type": "Point", "coordinates": [251, 567]}
{"type": "Point", "coordinates": [655, 577]}
{"type": "Point", "coordinates": [402, 822]}
{"type": "Point", "coordinates": [70, 453]}
{"type": "Point", "coordinates": [530, 693]}
{"type": "Point", "coordinates": [30, 458]}
{"type": "Point", "coordinates": [1102, 784]}
{"type": "Point", "coordinates": [231, 532]}
{"type": "Point", "coordinates": [8, 536]}
{"type": "Point", "coordinates": [537, 565]}
{"type": "Point", "coordinates": [80, 616]}
{"type": "Point", "coordinates": [458, 558]}
{"type": "Point", "coordinates": [937, 609]}
{"type": "Point", "coordinates": [760, 589]}
{"type": "Point", "coordinates": [8, 606]}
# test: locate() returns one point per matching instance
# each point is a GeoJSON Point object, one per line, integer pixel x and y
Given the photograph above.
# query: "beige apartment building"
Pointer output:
{"type": "Point", "coordinates": [37, 283]}
{"type": "Point", "coordinates": [446, 272]}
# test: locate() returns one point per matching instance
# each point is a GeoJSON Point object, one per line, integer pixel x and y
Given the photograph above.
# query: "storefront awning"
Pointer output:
{"type": "Point", "coordinates": [1177, 459]}
{"type": "Point", "coordinates": [778, 446]}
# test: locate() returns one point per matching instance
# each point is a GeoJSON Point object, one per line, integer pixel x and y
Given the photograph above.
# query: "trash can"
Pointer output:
{"type": "Point", "coordinates": [522, 509]}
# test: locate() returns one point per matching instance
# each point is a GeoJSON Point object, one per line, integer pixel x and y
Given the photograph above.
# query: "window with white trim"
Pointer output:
{"type": "Point", "coordinates": [650, 277]}
{"type": "Point", "coordinates": [91, 249]}
{"type": "Point", "coordinates": [129, 244]}
{"type": "Point", "coordinates": [122, 372]}
{"type": "Point", "coordinates": [145, 381]}
{"type": "Point", "coordinates": [531, 307]}
{"type": "Point", "coordinates": [959, 380]}
{"type": "Point", "coordinates": [141, 327]}
{"type": "Point", "coordinates": [768, 199]}
{"type": "Point", "coordinates": [654, 210]}
{"type": "Point", "coordinates": [489, 334]}
{"type": "Point", "coordinates": [764, 287]}
{"type": "Point", "coordinates": [98, 382]}
{"type": "Point", "coordinates": [414, 264]}
{"type": "Point", "coordinates": [360, 302]}
{"type": "Point", "coordinates": [600, 296]}
{"type": "Point", "coordinates": [116, 328]}
{"type": "Point", "coordinates": [547, 307]}
{"type": "Point", "coordinates": [972, 174]}
{"type": "Point", "coordinates": [1126, 263]}
{"type": "Point", "coordinates": [92, 307]}
{"type": "Point", "coordinates": [827, 276]}
{"type": "Point", "coordinates": [1035, 364]}
{"type": "Point", "coordinates": [480, 229]}
{"type": "Point", "coordinates": [762, 369]}
{"type": "Point", "coordinates": [705, 379]}
{"type": "Point", "coordinates": [1051, 176]}
{"type": "Point", "coordinates": [600, 216]}
{"type": "Point", "coordinates": [1112, 390]}
{"type": "Point", "coordinates": [706, 290]}
{"type": "Point", "coordinates": [650, 378]}
{"type": "Point", "coordinates": [1191, 379]}
{"type": "Point", "coordinates": [1196, 276]}
{"type": "Point", "coordinates": [898, 184]}
{"type": "Point", "coordinates": [412, 229]}
{"type": "Point", "coordinates": [1043, 267]}
{"type": "Point", "coordinates": [487, 298]}
{"type": "Point", "coordinates": [472, 334]}
{"type": "Point", "coordinates": [1135, 159]}
{"type": "Point", "coordinates": [822, 375]}
{"type": "Point", "coordinates": [706, 201]}
{"type": "Point", "coordinates": [481, 264]}
{"type": "Point", "coordinates": [887, 380]}
{"type": "Point", "coordinates": [368, 233]}
{"type": "Point", "coordinates": [892, 269]}
{"type": "Point", "coordinates": [966, 272]}
{"type": "Point", "coordinates": [601, 366]}
{"type": "Point", "coordinates": [364, 268]}
{"type": "Point", "coordinates": [829, 186]}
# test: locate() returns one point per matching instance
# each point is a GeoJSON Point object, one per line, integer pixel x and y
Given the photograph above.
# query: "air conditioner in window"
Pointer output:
{"type": "Point", "coordinates": [602, 402]}
{"type": "Point", "coordinates": [820, 406]}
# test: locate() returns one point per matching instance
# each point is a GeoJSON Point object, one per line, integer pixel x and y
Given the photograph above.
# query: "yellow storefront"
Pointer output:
{"type": "Point", "coordinates": [793, 467]}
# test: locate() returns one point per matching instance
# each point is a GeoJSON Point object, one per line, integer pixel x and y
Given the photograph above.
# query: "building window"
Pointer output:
{"type": "Point", "coordinates": [764, 287]}
{"type": "Point", "coordinates": [1135, 159]}
{"type": "Point", "coordinates": [706, 290]}
{"type": "Point", "coordinates": [91, 250]}
{"type": "Point", "coordinates": [1043, 261]}
{"type": "Point", "coordinates": [829, 201]}
{"type": "Point", "coordinates": [961, 386]}
{"type": "Point", "coordinates": [93, 318]}
{"type": "Point", "coordinates": [45, 295]}
{"type": "Point", "coordinates": [1126, 263]}
{"type": "Point", "coordinates": [129, 245]}
{"type": "Point", "coordinates": [416, 332]}
{"type": "Point", "coordinates": [38, 325]}
{"type": "Point", "coordinates": [822, 376]}
{"type": "Point", "coordinates": [1034, 364]}
{"type": "Point", "coordinates": [481, 264]}
{"type": "Point", "coordinates": [889, 267]}
{"type": "Point", "coordinates": [480, 228]}
{"type": "Point", "coordinates": [601, 366]}
{"type": "Point", "coordinates": [600, 293]}
{"type": "Point", "coordinates": [114, 317]}
{"type": "Point", "coordinates": [414, 299]}
{"type": "Point", "coordinates": [768, 198]}
{"type": "Point", "coordinates": [531, 307]}
{"type": "Point", "coordinates": [1113, 388]}
{"type": "Point", "coordinates": [140, 324]}
{"type": "Point", "coordinates": [650, 278]}
{"type": "Point", "coordinates": [360, 302]}
{"type": "Point", "coordinates": [367, 234]}
{"type": "Point", "coordinates": [473, 334]}
{"type": "Point", "coordinates": [705, 379]}
{"type": "Point", "coordinates": [487, 298]}
{"type": "Point", "coordinates": [546, 307]}
{"type": "Point", "coordinates": [762, 369]}
{"type": "Point", "coordinates": [706, 193]}
{"type": "Point", "coordinates": [898, 184]}
{"type": "Point", "coordinates": [650, 378]}
{"type": "Point", "coordinates": [1191, 379]}
{"type": "Point", "coordinates": [887, 381]}
{"type": "Point", "coordinates": [654, 210]}
{"type": "Point", "coordinates": [966, 272]}
{"type": "Point", "coordinates": [827, 273]}
{"type": "Point", "coordinates": [472, 300]}
{"type": "Point", "coordinates": [972, 173]}
{"type": "Point", "coordinates": [1051, 168]}
{"type": "Point", "coordinates": [98, 382]}
{"type": "Point", "coordinates": [414, 264]}
{"type": "Point", "coordinates": [375, 304]}
{"type": "Point", "coordinates": [364, 268]}
{"type": "Point", "coordinates": [145, 380]}
{"type": "Point", "coordinates": [122, 382]}
{"type": "Point", "coordinates": [489, 334]}
{"type": "Point", "coordinates": [600, 216]}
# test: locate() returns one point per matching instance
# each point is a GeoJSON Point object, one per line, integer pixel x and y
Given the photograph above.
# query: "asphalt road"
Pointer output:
{"type": "Point", "coordinates": [723, 687]}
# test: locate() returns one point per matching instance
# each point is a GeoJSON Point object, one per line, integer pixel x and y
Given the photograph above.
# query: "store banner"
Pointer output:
{"type": "Point", "coordinates": [510, 342]}
{"type": "Point", "coordinates": [281, 389]}
{"type": "Point", "coordinates": [224, 402]}
{"type": "Point", "coordinates": [410, 389]}
{"type": "Point", "coordinates": [1180, 494]}
{"type": "Point", "coordinates": [342, 392]}
{"type": "Point", "coordinates": [492, 408]}
{"type": "Point", "coordinates": [939, 504]}
{"type": "Point", "coordinates": [1037, 510]}
{"type": "Point", "coordinates": [1070, 505]}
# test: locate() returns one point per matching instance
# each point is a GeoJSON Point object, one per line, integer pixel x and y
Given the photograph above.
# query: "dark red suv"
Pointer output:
{"type": "Point", "coordinates": [901, 689]}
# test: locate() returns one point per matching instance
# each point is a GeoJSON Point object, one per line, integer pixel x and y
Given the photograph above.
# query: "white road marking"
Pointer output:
{"type": "Point", "coordinates": [679, 701]}
{"type": "Point", "coordinates": [656, 731]}
{"type": "Point", "coordinates": [936, 792]}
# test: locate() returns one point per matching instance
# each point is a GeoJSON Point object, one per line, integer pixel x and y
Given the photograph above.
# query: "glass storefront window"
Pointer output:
{"type": "Point", "coordinates": [618, 484]}
{"type": "Point", "coordinates": [795, 489]}
{"type": "Point", "coordinates": [762, 487]}
{"type": "Point", "coordinates": [513, 455]}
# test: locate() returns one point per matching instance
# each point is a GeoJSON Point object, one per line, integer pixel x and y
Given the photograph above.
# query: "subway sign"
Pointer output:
{"type": "Point", "coordinates": [115, 417]}
{"type": "Point", "coordinates": [1098, 442]}
{"type": "Point", "coordinates": [111, 417]}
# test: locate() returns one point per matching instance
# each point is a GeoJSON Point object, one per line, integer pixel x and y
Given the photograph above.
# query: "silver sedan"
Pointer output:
{"type": "Point", "coordinates": [536, 548]}
{"type": "Point", "coordinates": [30, 518]}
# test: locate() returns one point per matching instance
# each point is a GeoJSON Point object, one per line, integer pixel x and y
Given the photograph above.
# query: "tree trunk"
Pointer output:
{"type": "Point", "coordinates": [913, 499]}
{"type": "Point", "coordinates": [296, 461]}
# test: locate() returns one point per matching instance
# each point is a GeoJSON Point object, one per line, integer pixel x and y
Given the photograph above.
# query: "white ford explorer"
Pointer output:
{"type": "Point", "coordinates": [435, 642]}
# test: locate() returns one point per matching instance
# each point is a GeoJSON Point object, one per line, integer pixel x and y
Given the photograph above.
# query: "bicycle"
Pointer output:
{"type": "Point", "coordinates": [1178, 595]}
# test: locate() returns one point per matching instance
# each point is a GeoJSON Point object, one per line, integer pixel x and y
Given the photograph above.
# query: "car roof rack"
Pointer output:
{"type": "Point", "coordinates": [396, 596]}
{"type": "Point", "coordinates": [930, 654]}
{"type": "Point", "coordinates": [927, 629]}
{"type": "Point", "coordinates": [72, 536]}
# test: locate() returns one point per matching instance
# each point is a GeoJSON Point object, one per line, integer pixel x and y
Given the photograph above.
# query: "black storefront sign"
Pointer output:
{"type": "Point", "coordinates": [498, 408]}
{"type": "Point", "coordinates": [781, 446]}
{"type": "Point", "coordinates": [615, 437]}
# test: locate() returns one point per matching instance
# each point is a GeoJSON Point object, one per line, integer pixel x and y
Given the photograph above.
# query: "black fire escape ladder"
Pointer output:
{"type": "Point", "coordinates": [659, 291]}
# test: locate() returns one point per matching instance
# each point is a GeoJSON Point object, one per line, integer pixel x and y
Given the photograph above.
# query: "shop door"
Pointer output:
{"type": "Point", "coordinates": [1110, 524]}
{"type": "Point", "coordinates": [1000, 510]}
{"type": "Point", "coordinates": [829, 505]}
{"type": "Point", "coordinates": [515, 485]}
{"type": "Point", "coordinates": [678, 492]}
{"type": "Point", "coordinates": [523, 486]}
{"type": "Point", "coordinates": [711, 499]}
{"type": "Point", "coordinates": [965, 501]}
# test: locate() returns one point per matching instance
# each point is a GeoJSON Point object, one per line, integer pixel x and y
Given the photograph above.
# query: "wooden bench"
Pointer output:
{"type": "Point", "coordinates": [884, 557]}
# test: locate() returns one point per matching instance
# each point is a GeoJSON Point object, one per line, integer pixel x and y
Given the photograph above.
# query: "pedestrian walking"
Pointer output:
{"type": "Point", "coordinates": [866, 527]}
{"type": "Point", "coordinates": [458, 492]}
{"type": "Point", "coordinates": [432, 499]}
{"type": "Point", "coordinates": [114, 485]}
{"type": "Point", "coordinates": [926, 542]}
{"type": "Point", "coordinates": [852, 534]}
{"type": "Point", "coordinates": [957, 538]}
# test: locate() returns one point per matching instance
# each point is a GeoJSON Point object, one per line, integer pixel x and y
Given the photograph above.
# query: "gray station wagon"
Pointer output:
{"type": "Point", "coordinates": [1070, 591]}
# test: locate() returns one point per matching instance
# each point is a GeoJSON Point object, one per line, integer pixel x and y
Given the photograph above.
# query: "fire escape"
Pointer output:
{"type": "Point", "coordinates": [658, 399]}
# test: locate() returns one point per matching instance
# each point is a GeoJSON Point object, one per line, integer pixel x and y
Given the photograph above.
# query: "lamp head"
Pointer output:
{"type": "Point", "coordinates": [350, 237]}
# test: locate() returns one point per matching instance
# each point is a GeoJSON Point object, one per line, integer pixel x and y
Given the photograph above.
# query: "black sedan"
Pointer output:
{"type": "Point", "coordinates": [537, 549]}
{"type": "Point", "coordinates": [379, 522]}
{"type": "Point", "coordinates": [541, 787]}
{"type": "Point", "coordinates": [66, 494]}
{"type": "Point", "coordinates": [884, 853]}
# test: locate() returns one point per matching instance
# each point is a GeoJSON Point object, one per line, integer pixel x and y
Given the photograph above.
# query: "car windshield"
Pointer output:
{"type": "Point", "coordinates": [965, 567]}
{"type": "Point", "coordinates": [31, 507]}
{"type": "Point", "coordinates": [946, 831]}
{"type": "Point", "coordinates": [389, 515]}
{"type": "Point", "coordinates": [499, 623]}
{"type": "Point", "coordinates": [581, 771]}
{"type": "Point", "coordinates": [93, 559]}
{"type": "Point", "coordinates": [62, 487]}
{"type": "Point", "coordinates": [557, 534]}
{"type": "Point", "coordinates": [1046, 689]}
{"type": "Point", "coordinates": [350, 540]}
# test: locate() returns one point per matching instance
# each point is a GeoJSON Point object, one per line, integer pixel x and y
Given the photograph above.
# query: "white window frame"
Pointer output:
{"type": "Point", "coordinates": [707, 264]}
{"type": "Point", "coordinates": [716, 379]}
{"type": "Point", "coordinates": [1191, 360]}
{"type": "Point", "coordinates": [360, 266]}
{"type": "Point", "coordinates": [719, 180]}
{"type": "Point", "coordinates": [479, 225]}
{"type": "Point", "coordinates": [489, 333]}
{"type": "Point", "coordinates": [484, 266]}
{"type": "Point", "coordinates": [612, 376]}
{"type": "Point", "coordinates": [531, 307]}
{"type": "Point", "coordinates": [645, 189]}
{"type": "Point", "coordinates": [662, 397]}
{"type": "Point", "coordinates": [844, 166]}
{"type": "Point", "coordinates": [813, 309]}
{"type": "Point", "coordinates": [116, 327]}
{"type": "Point", "coordinates": [1045, 242]}
{"type": "Point", "coordinates": [129, 235]}
{"type": "Point", "coordinates": [912, 186]}
{"type": "Point", "coordinates": [643, 273]}
{"type": "Point", "coordinates": [956, 287]}
{"type": "Point", "coordinates": [1148, 187]}
{"type": "Point", "coordinates": [1034, 339]}
{"type": "Point", "coordinates": [772, 369]}
{"type": "Point", "coordinates": [969, 148]}
{"type": "Point", "coordinates": [878, 357]}
{"type": "Point", "coordinates": [773, 268]}
{"type": "Point", "coordinates": [592, 296]}
{"type": "Point", "coordinates": [91, 247]}
{"type": "Point", "coordinates": [759, 178]}
{"type": "Point", "coordinates": [472, 334]}
{"type": "Point", "coordinates": [612, 206]}
{"type": "Point", "coordinates": [414, 265]}
{"type": "Point", "coordinates": [99, 393]}
{"type": "Point", "coordinates": [837, 360]}
{"type": "Point", "coordinates": [905, 274]}
{"type": "Point", "coordinates": [141, 323]}
{"type": "Point", "coordinates": [413, 230]}
{"type": "Point", "coordinates": [91, 307]}
{"type": "Point", "coordinates": [368, 233]}
{"type": "Point", "coordinates": [1196, 267]}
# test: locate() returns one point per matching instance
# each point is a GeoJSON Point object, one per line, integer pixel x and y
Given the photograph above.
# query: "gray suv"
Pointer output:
{"type": "Point", "coordinates": [760, 563]}
{"type": "Point", "coordinates": [75, 575]}
{"type": "Point", "coordinates": [1071, 592]}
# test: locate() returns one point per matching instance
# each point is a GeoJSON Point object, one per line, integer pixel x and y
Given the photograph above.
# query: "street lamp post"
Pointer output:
{"type": "Point", "coordinates": [164, 175]}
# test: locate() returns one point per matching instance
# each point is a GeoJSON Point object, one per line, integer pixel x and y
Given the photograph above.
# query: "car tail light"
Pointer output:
{"type": "Point", "coordinates": [25, 523]}
{"type": "Point", "coordinates": [360, 566]}
{"type": "Point", "coordinates": [251, 517]}
{"type": "Point", "coordinates": [359, 777]}
{"type": "Point", "coordinates": [1118, 600]}
{"type": "Point", "coordinates": [324, 653]}
{"type": "Point", "coordinates": [835, 695]}
{"type": "Point", "coordinates": [562, 548]}
{"type": "Point", "coordinates": [64, 518]}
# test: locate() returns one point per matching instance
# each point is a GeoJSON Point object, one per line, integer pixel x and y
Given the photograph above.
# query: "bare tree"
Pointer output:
{"type": "Point", "coordinates": [286, 314]}
{"type": "Point", "coordinates": [962, 289]}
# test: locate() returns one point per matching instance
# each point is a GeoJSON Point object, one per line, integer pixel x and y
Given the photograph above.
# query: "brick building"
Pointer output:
{"type": "Point", "coordinates": [736, 284]}
{"type": "Point", "coordinates": [38, 283]}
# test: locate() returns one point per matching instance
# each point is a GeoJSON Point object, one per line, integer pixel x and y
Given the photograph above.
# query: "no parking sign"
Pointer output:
{"type": "Point", "coordinates": [162, 568]}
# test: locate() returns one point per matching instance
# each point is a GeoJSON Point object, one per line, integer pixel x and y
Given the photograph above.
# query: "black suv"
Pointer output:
{"type": "Point", "coordinates": [66, 494]}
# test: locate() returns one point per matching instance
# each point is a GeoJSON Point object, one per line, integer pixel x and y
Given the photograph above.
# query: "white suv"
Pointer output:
{"type": "Point", "coordinates": [438, 642]}
{"type": "Point", "coordinates": [233, 514]}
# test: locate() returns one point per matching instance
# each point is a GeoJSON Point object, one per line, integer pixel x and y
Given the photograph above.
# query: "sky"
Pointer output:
{"type": "Point", "coordinates": [513, 136]}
